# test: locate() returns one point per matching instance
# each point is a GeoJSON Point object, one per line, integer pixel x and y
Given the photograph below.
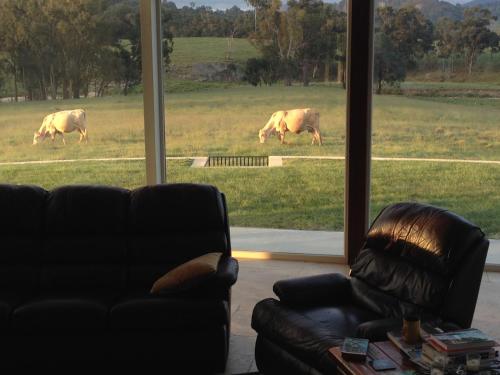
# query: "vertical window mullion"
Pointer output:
{"type": "Point", "coordinates": [152, 79]}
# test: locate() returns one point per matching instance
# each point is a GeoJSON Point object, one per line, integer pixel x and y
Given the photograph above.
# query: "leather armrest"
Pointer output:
{"type": "Point", "coordinates": [227, 272]}
{"type": "Point", "coordinates": [376, 330]}
{"type": "Point", "coordinates": [326, 289]}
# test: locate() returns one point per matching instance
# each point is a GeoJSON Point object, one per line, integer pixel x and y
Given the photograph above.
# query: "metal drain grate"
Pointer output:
{"type": "Point", "coordinates": [238, 161]}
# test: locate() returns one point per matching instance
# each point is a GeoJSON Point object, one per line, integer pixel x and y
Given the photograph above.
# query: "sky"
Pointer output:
{"type": "Point", "coordinates": [225, 4]}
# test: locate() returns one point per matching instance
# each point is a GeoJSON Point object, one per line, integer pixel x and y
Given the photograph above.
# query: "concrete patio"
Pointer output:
{"type": "Point", "coordinates": [308, 242]}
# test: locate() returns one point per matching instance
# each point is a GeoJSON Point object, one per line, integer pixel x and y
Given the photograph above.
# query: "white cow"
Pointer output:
{"type": "Point", "coordinates": [63, 122]}
{"type": "Point", "coordinates": [295, 121]}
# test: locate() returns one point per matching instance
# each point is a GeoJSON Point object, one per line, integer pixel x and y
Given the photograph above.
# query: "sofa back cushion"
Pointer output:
{"type": "Point", "coordinates": [21, 236]}
{"type": "Point", "coordinates": [85, 247]}
{"type": "Point", "coordinates": [171, 224]}
{"type": "Point", "coordinates": [413, 252]}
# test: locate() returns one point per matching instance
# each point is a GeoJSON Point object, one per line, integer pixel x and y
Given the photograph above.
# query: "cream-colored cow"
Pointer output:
{"type": "Point", "coordinates": [295, 121]}
{"type": "Point", "coordinates": [63, 122]}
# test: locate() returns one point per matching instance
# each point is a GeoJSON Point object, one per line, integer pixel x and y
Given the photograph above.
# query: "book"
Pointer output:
{"type": "Point", "coordinates": [431, 354]}
{"type": "Point", "coordinates": [431, 351]}
{"type": "Point", "coordinates": [463, 340]}
{"type": "Point", "coordinates": [354, 349]}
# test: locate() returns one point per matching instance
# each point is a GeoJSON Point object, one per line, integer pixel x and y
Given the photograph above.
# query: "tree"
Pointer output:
{"type": "Point", "coordinates": [314, 44]}
{"type": "Point", "coordinates": [333, 39]}
{"type": "Point", "coordinates": [12, 38]}
{"type": "Point", "coordinates": [278, 36]}
{"type": "Point", "coordinates": [475, 35]}
{"type": "Point", "coordinates": [407, 36]}
{"type": "Point", "coordinates": [387, 62]}
{"type": "Point", "coordinates": [447, 35]}
{"type": "Point", "coordinates": [260, 70]}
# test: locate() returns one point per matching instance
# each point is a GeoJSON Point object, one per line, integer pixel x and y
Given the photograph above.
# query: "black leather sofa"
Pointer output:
{"type": "Point", "coordinates": [76, 267]}
{"type": "Point", "coordinates": [417, 260]}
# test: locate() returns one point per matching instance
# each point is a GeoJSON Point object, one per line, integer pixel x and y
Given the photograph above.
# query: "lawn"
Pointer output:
{"type": "Point", "coordinates": [302, 194]}
{"type": "Point", "coordinates": [226, 122]}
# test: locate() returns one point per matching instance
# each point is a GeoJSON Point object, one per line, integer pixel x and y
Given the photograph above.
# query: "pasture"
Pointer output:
{"type": "Point", "coordinates": [302, 194]}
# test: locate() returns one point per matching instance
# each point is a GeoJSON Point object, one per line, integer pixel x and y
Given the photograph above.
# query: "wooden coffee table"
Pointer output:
{"type": "Point", "coordinates": [377, 350]}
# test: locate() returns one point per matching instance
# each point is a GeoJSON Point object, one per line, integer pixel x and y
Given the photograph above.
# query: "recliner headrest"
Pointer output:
{"type": "Point", "coordinates": [431, 237]}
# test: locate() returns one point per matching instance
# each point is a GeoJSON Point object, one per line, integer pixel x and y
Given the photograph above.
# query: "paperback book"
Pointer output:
{"type": "Point", "coordinates": [354, 349]}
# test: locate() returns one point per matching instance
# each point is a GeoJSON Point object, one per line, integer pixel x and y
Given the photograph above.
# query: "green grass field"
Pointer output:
{"type": "Point", "coordinates": [302, 194]}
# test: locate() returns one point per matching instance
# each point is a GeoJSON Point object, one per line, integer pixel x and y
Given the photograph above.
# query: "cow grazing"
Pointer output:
{"type": "Point", "coordinates": [62, 122]}
{"type": "Point", "coordinates": [295, 121]}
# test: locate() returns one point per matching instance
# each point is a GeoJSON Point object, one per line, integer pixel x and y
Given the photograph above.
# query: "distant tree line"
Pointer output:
{"type": "Point", "coordinates": [203, 21]}
{"type": "Point", "coordinates": [403, 36]}
{"type": "Point", "coordinates": [299, 42]}
{"type": "Point", "coordinates": [309, 36]}
{"type": "Point", "coordinates": [70, 48]}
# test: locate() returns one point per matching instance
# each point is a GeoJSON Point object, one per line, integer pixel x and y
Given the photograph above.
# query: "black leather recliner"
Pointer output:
{"type": "Point", "coordinates": [77, 265]}
{"type": "Point", "coordinates": [417, 259]}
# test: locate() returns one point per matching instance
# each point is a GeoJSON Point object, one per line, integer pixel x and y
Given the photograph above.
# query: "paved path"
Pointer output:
{"type": "Point", "coordinates": [307, 242]}
{"type": "Point", "coordinates": [274, 161]}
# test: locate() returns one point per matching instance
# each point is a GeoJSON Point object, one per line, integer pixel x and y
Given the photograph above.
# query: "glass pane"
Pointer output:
{"type": "Point", "coordinates": [235, 64]}
{"type": "Point", "coordinates": [70, 70]}
{"type": "Point", "coordinates": [435, 119]}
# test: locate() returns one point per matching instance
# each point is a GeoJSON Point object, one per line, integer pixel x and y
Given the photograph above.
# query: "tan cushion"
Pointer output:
{"type": "Point", "coordinates": [188, 274]}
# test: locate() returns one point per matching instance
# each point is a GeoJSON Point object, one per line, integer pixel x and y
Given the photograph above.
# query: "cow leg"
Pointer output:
{"type": "Point", "coordinates": [282, 138]}
{"type": "Point", "coordinates": [318, 136]}
{"type": "Point", "coordinates": [63, 140]}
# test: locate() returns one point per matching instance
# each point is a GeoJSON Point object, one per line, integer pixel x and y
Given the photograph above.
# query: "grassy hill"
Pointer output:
{"type": "Point", "coordinates": [189, 51]}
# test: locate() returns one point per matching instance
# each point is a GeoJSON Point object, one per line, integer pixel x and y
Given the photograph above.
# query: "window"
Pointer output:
{"type": "Point", "coordinates": [229, 72]}
{"type": "Point", "coordinates": [435, 136]}
{"type": "Point", "coordinates": [57, 56]}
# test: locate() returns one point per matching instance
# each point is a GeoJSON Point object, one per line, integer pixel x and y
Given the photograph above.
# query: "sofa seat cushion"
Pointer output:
{"type": "Point", "coordinates": [61, 315]}
{"type": "Point", "coordinates": [308, 332]}
{"type": "Point", "coordinates": [153, 313]}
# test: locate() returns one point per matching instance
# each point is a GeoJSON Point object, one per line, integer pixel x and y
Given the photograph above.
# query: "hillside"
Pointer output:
{"type": "Point", "coordinates": [195, 58]}
{"type": "Point", "coordinates": [432, 9]}
{"type": "Point", "coordinates": [492, 5]}
{"type": "Point", "coordinates": [189, 51]}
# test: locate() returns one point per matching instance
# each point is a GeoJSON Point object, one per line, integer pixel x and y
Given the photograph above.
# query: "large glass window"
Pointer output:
{"type": "Point", "coordinates": [65, 56]}
{"type": "Point", "coordinates": [435, 118]}
{"type": "Point", "coordinates": [233, 65]}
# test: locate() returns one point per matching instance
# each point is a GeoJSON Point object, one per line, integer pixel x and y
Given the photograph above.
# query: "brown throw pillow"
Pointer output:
{"type": "Point", "coordinates": [188, 274]}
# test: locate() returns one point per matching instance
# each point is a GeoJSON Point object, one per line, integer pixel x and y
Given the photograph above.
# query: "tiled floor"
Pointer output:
{"type": "Point", "coordinates": [256, 280]}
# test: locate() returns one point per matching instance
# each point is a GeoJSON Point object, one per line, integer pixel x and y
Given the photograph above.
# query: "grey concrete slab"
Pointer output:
{"type": "Point", "coordinates": [275, 161]}
{"type": "Point", "coordinates": [308, 242]}
{"type": "Point", "coordinates": [199, 162]}
{"type": "Point", "coordinates": [288, 241]}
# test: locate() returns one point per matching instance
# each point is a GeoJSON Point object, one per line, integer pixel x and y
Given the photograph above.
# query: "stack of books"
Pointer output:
{"type": "Point", "coordinates": [453, 349]}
